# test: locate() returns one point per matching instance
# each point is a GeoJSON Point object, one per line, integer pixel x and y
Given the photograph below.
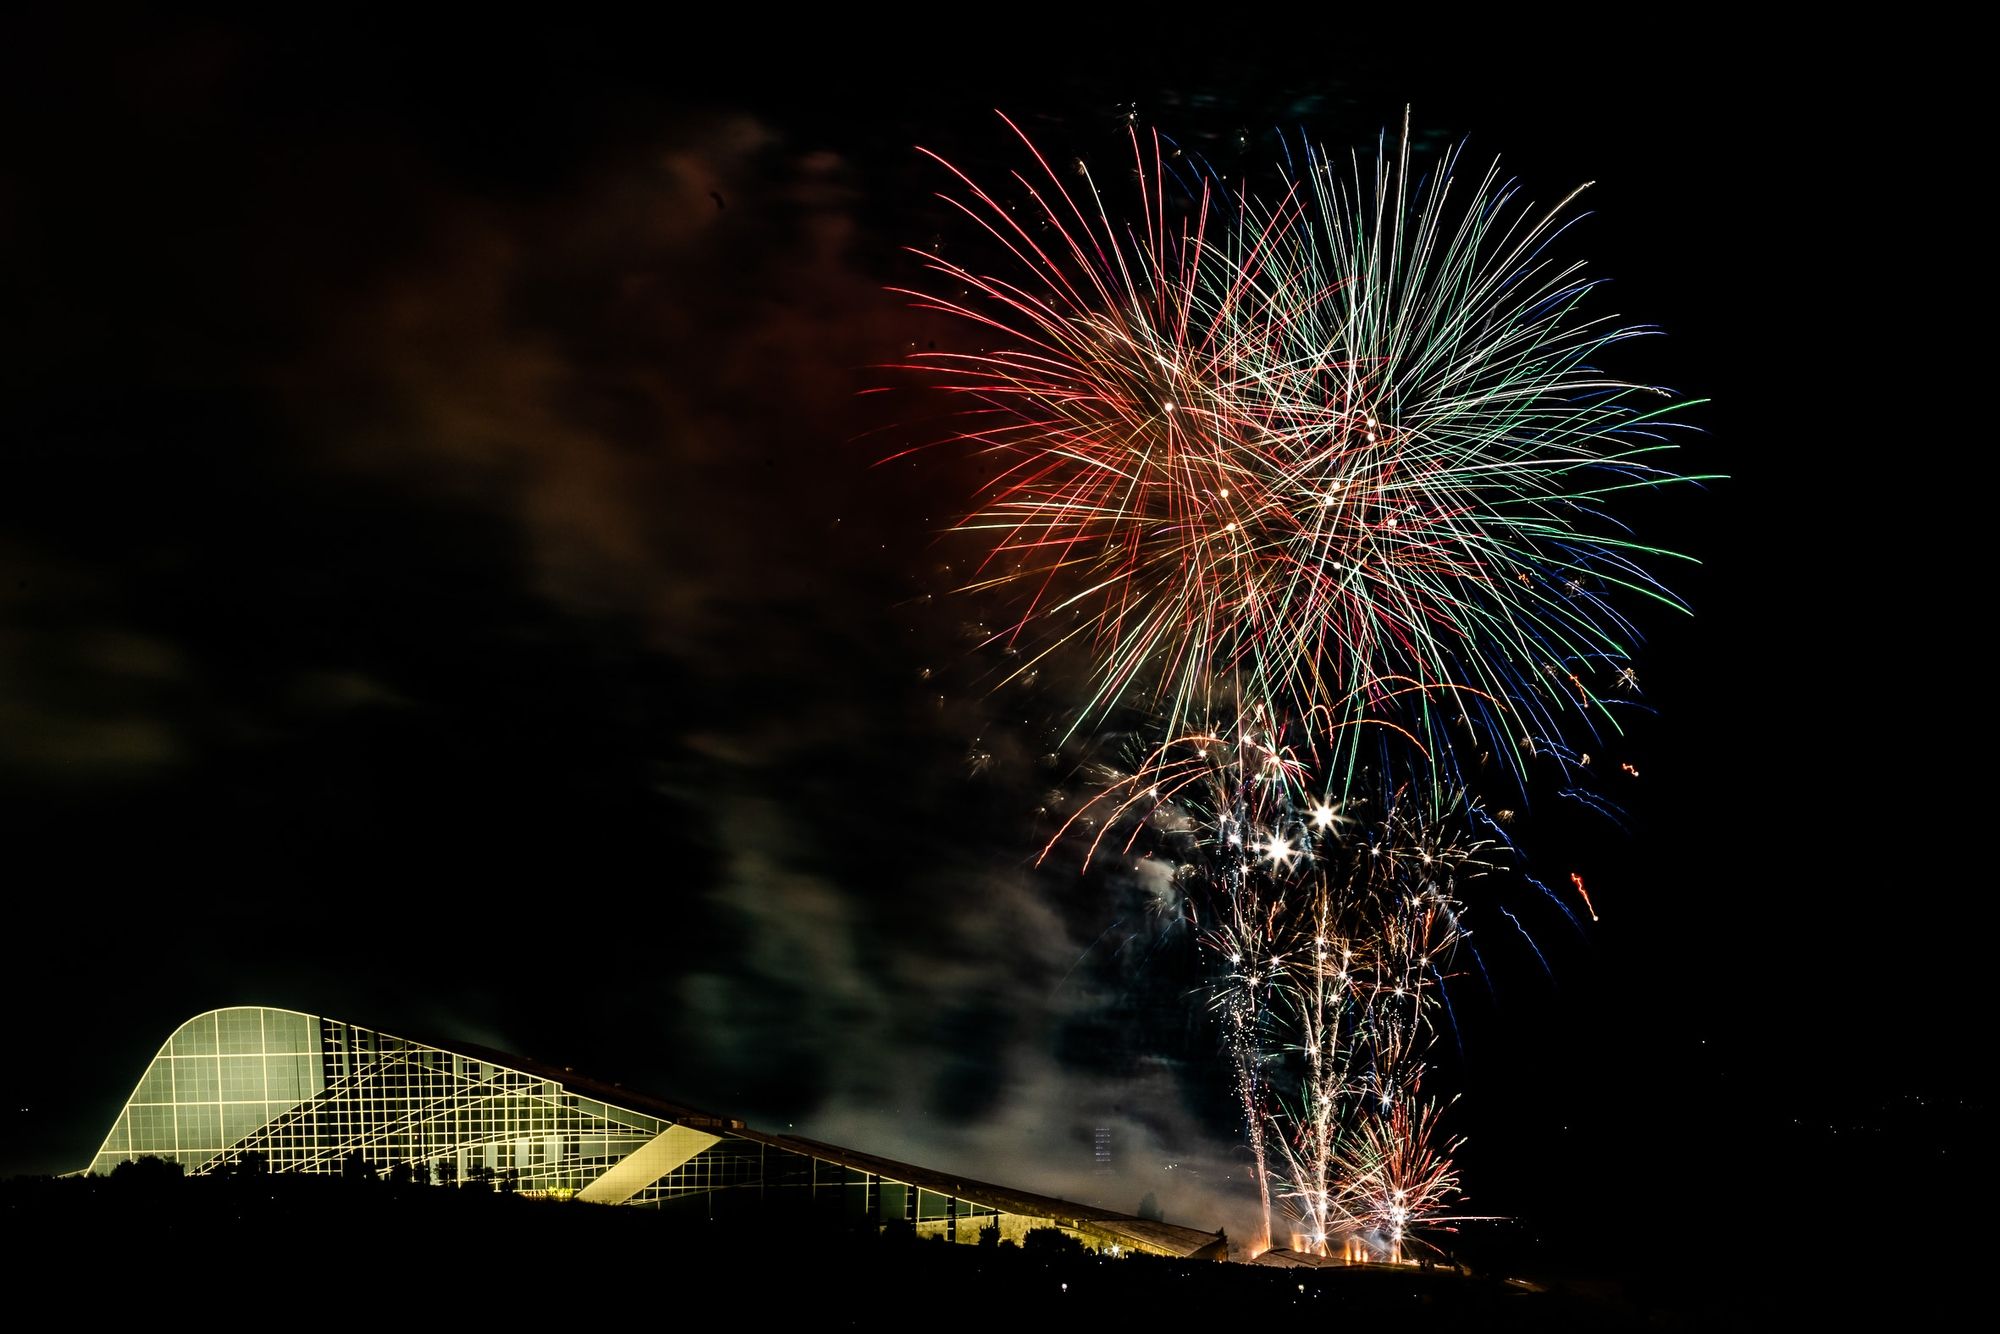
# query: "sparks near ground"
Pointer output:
{"type": "Point", "coordinates": [1311, 481]}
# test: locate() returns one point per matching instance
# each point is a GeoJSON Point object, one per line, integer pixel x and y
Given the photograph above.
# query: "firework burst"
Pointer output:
{"type": "Point", "coordinates": [1344, 454]}
{"type": "Point", "coordinates": [1397, 1176]}
{"type": "Point", "coordinates": [1373, 939]}
{"type": "Point", "coordinates": [1326, 936]}
{"type": "Point", "coordinates": [1316, 487]}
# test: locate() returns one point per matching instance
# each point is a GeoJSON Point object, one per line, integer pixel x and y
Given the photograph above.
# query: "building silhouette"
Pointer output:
{"type": "Point", "coordinates": [303, 1093]}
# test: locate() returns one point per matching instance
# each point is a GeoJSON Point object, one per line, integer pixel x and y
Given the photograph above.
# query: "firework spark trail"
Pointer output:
{"type": "Point", "coordinates": [1342, 454]}
{"type": "Point", "coordinates": [1384, 917]}
{"type": "Point", "coordinates": [1225, 806]}
{"type": "Point", "coordinates": [1399, 1176]}
{"type": "Point", "coordinates": [1327, 937]}
{"type": "Point", "coordinates": [1315, 486]}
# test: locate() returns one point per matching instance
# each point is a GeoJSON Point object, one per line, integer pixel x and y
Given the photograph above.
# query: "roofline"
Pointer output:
{"type": "Point", "coordinates": [1190, 1242]}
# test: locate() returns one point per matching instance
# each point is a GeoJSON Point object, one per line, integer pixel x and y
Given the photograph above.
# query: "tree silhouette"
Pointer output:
{"type": "Point", "coordinates": [1051, 1241]}
{"type": "Point", "coordinates": [147, 1171]}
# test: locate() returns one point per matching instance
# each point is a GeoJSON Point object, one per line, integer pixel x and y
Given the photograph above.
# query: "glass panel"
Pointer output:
{"type": "Point", "coordinates": [119, 1142]}
{"type": "Point", "coordinates": [196, 1037]}
{"type": "Point", "coordinates": [152, 1129]}
{"type": "Point", "coordinates": [194, 1079]}
{"type": "Point", "coordinates": [633, 1119]}
{"type": "Point", "coordinates": [242, 1078]}
{"type": "Point", "coordinates": [241, 1118]}
{"type": "Point", "coordinates": [199, 1125]}
{"type": "Point", "coordinates": [242, 1031]}
{"type": "Point", "coordinates": [281, 1079]}
{"type": "Point", "coordinates": [297, 1033]}
{"type": "Point", "coordinates": [158, 1085]}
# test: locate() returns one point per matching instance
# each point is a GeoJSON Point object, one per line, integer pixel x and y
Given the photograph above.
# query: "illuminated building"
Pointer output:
{"type": "Point", "coordinates": [309, 1094]}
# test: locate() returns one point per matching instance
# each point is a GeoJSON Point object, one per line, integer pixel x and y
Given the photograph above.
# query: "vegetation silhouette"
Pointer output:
{"type": "Point", "coordinates": [427, 1245]}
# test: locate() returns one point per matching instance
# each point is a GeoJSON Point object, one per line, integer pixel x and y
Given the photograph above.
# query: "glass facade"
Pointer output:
{"type": "Point", "coordinates": [308, 1094]}
{"type": "Point", "coordinates": [216, 1081]}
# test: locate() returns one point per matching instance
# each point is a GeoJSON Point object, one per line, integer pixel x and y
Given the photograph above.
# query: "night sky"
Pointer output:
{"type": "Point", "coordinates": [444, 585]}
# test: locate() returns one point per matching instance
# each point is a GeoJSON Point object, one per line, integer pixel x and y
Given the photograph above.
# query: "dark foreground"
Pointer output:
{"type": "Point", "coordinates": [326, 1248]}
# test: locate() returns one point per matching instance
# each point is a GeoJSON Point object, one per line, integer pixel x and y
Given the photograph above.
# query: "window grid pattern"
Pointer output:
{"type": "Point", "coordinates": [731, 1163]}
{"type": "Point", "coordinates": [785, 1181]}
{"type": "Point", "coordinates": [307, 1093]}
{"type": "Point", "coordinates": [218, 1078]}
{"type": "Point", "coordinates": [397, 1101]}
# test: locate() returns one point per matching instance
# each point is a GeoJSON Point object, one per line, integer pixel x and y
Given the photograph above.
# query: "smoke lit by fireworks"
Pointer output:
{"type": "Point", "coordinates": [1328, 933]}
{"type": "Point", "coordinates": [1313, 479]}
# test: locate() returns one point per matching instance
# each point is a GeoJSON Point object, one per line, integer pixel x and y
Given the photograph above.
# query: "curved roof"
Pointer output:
{"type": "Point", "coordinates": [254, 1077]}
